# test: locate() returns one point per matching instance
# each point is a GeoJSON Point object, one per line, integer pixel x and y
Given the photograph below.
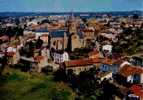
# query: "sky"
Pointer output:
{"type": "Point", "coordinates": [69, 5]}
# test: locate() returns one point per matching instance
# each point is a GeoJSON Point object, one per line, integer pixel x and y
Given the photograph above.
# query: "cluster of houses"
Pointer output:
{"type": "Point", "coordinates": [50, 43]}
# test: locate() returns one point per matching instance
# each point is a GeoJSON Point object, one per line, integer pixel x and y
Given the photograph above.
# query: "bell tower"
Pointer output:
{"type": "Point", "coordinates": [72, 25]}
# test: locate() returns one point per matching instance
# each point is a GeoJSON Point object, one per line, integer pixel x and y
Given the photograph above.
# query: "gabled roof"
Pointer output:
{"type": "Point", "coordinates": [128, 70]}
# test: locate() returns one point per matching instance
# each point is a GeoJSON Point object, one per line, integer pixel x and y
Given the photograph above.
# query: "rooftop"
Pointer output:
{"type": "Point", "coordinates": [127, 70]}
{"type": "Point", "coordinates": [81, 62]}
{"type": "Point", "coordinates": [137, 90]}
{"type": "Point", "coordinates": [58, 33]}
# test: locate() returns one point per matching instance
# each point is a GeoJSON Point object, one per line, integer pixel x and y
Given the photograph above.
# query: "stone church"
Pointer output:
{"type": "Point", "coordinates": [71, 38]}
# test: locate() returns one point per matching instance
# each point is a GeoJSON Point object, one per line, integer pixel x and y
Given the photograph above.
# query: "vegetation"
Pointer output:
{"type": "Point", "coordinates": [16, 85]}
{"type": "Point", "coordinates": [130, 41]}
{"type": "Point", "coordinates": [86, 85]}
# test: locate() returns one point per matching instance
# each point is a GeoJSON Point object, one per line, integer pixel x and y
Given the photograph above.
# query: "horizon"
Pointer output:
{"type": "Point", "coordinates": [73, 11]}
{"type": "Point", "coordinates": [70, 6]}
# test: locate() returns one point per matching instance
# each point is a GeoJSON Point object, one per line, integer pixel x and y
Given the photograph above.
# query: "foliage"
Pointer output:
{"type": "Point", "coordinates": [85, 84]}
{"type": "Point", "coordinates": [130, 41]}
{"type": "Point", "coordinates": [16, 85]}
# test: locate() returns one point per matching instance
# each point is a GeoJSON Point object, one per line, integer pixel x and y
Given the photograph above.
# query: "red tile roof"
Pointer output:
{"type": "Point", "coordinates": [44, 35]}
{"type": "Point", "coordinates": [10, 54]}
{"type": "Point", "coordinates": [127, 70]}
{"type": "Point", "coordinates": [81, 62]}
{"type": "Point", "coordinates": [38, 58]}
{"type": "Point", "coordinates": [84, 62]}
{"type": "Point", "coordinates": [108, 61]}
{"type": "Point", "coordinates": [88, 30]}
{"type": "Point", "coordinates": [93, 52]}
{"type": "Point", "coordinates": [137, 90]}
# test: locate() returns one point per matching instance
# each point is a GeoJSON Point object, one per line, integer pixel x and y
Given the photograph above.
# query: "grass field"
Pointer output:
{"type": "Point", "coordinates": [16, 85]}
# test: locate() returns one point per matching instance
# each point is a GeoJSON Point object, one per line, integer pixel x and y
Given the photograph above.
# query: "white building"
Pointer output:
{"type": "Point", "coordinates": [107, 48]}
{"type": "Point", "coordinates": [132, 74]}
{"type": "Point", "coordinates": [60, 57]}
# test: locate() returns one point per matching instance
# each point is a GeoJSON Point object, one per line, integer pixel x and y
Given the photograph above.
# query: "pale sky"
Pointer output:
{"type": "Point", "coordinates": [69, 5]}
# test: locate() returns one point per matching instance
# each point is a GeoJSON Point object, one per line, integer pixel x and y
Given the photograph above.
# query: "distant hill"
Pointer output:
{"type": "Point", "coordinates": [87, 14]}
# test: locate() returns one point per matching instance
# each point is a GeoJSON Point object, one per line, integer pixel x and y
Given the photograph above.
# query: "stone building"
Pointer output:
{"type": "Point", "coordinates": [13, 55]}
{"type": "Point", "coordinates": [41, 62]}
{"type": "Point", "coordinates": [75, 41]}
{"type": "Point", "coordinates": [88, 36]}
{"type": "Point", "coordinates": [80, 65]}
{"type": "Point", "coordinates": [72, 24]}
{"type": "Point", "coordinates": [59, 39]}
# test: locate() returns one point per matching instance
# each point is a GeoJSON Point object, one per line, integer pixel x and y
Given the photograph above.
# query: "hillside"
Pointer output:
{"type": "Point", "coordinates": [16, 85]}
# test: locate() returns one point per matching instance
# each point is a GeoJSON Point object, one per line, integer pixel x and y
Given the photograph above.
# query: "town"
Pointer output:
{"type": "Point", "coordinates": [98, 57]}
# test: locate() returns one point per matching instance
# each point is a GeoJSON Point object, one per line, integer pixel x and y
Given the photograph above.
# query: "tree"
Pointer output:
{"type": "Point", "coordinates": [88, 84]}
{"type": "Point", "coordinates": [39, 43]}
{"type": "Point", "coordinates": [60, 75]}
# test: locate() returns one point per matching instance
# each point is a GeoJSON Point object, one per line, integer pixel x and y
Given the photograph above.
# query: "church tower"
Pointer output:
{"type": "Point", "coordinates": [73, 40]}
{"type": "Point", "coordinates": [72, 25]}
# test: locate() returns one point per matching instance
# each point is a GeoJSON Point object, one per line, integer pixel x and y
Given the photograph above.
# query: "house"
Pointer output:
{"type": "Point", "coordinates": [33, 22]}
{"type": "Point", "coordinates": [95, 54]}
{"type": "Point", "coordinates": [108, 36]}
{"type": "Point", "coordinates": [45, 37]}
{"type": "Point", "coordinates": [88, 35]}
{"type": "Point", "coordinates": [75, 41]}
{"type": "Point", "coordinates": [28, 63]}
{"type": "Point", "coordinates": [13, 55]}
{"type": "Point", "coordinates": [108, 65]}
{"type": "Point", "coordinates": [136, 61]}
{"type": "Point", "coordinates": [41, 62]}
{"type": "Point", "coordinates": [80, 65]}
{"type": "Point", "coordinates": [136, 92]}
{"type": "Point", "coordinates": [132, 74]}
{"type": "Point", "coordinates": [42, 33]}
{"type": "Point", "coordinates": [107, 48]}
{"type": "Point", "coordinates": [3, 47]}
{"type": "Point", "coordinates": [4, 38]}
{"type": "Point", "coordinates": [60, 56]}
{"type": "Point", "coordinates": [104, 75]}
{"type": "Point", "coordinates": [45, 52]}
